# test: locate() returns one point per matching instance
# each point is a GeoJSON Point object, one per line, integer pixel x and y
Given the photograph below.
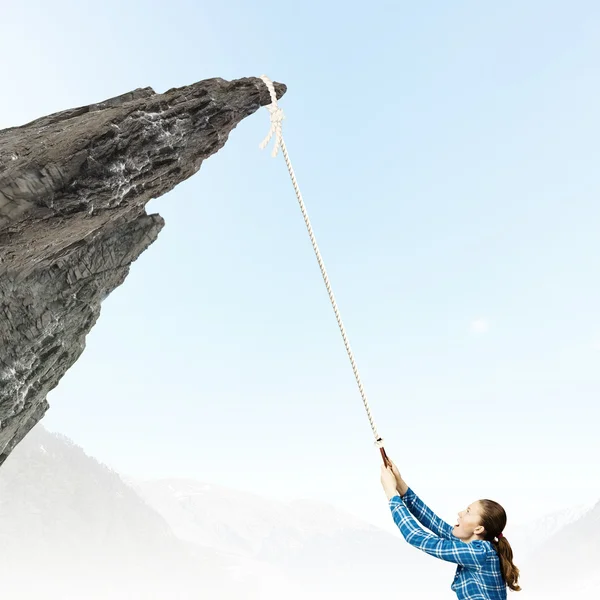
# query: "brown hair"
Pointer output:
{"type": "Point", "coordinates": [493, 519]}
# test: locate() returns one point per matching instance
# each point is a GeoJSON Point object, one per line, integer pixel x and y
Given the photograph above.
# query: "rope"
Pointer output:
{"type": "Point", "coordinates": [277, 117]}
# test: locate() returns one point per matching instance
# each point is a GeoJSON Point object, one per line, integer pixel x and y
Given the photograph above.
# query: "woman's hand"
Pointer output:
{"type": "Point", "coordinates": [388, 481]}
{"type": "Point", "coordinates": [400, 483]}
{"type": "Point", "coordinates": [395, 471]}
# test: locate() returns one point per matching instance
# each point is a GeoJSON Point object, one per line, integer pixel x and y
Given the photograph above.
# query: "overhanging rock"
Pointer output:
{"type": "Point", "coordinates": [73, 190]}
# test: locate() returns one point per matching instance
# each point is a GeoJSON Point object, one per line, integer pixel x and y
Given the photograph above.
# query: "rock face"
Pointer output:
{"type": "Point", "coordinates": [73, 190]}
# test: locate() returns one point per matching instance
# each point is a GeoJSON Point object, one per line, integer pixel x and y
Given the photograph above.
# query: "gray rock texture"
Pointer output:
{"type": "Point", "coordinates": [73, 190]}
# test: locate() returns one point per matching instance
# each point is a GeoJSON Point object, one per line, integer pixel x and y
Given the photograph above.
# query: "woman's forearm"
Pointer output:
{"type": "Point", "coordinates": [402, 488]}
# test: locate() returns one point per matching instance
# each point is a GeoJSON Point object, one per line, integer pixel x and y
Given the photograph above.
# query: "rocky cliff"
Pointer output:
{"type": "Point", "coordinates": [73, 190]}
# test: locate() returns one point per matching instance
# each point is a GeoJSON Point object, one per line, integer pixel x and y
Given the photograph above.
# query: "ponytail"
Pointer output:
{"type": "Point", "coordinates": [510, 572]}
{"type": "Point", "coordinates": [493, 519]}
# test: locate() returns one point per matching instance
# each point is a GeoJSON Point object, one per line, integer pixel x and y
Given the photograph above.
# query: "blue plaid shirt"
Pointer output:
{"type": "Point", "coordinates": [478, 575]}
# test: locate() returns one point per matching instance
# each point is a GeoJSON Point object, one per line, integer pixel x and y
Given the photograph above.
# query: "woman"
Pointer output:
{"type": "Point", "coordinates": [476, 543]}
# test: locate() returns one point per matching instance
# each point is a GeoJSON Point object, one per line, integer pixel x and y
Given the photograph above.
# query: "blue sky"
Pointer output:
{"type": "Point", "coordinates": [447, 154]}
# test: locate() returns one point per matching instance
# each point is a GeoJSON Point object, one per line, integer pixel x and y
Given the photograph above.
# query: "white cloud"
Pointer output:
{"type": "Point", "coordinates": [480, 325]}
{"type": "Point", "coordinates": [596, 345]}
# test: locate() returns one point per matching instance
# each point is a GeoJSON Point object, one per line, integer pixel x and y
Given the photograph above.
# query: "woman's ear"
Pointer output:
{"type": "Point", "coordinates": [479, 530]}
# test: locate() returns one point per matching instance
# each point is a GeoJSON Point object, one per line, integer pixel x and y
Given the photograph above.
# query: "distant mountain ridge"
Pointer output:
{"type": "Point", "coordinates": [568, 563]}
{"type": "Point", "coordinates": [529, 538]}
{"type": "Point", "coordinates": [72, 528]}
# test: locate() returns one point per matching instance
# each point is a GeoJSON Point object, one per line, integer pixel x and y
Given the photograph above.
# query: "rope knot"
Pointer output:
{"type": "Point", "coordinates": [277, 117]}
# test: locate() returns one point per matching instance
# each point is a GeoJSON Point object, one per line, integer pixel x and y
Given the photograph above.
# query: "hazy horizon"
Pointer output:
{"type": "Point", "coordinates": [83, 530]}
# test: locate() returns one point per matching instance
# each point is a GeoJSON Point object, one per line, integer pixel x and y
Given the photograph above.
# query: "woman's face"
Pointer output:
{"type": "Point", "coordinates": [468, 524]}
